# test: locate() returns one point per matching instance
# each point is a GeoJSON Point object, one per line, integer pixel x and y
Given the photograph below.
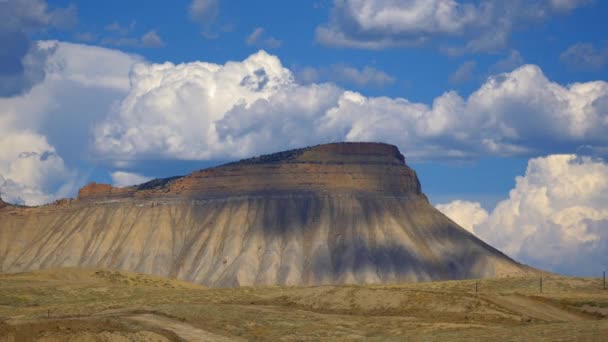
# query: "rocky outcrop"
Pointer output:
{"type": "Point", "coordinates": [102, 191]}
{"type": "Point", "coordinates": [329, 214]}
{"type": "Point", "coordinates": [331, 169]}
{"type": "Point", "coordinates": [371, 168]}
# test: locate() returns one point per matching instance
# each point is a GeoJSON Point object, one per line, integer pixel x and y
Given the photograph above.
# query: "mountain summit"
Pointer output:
{"type": "Point", "coordinates": [343, 213]}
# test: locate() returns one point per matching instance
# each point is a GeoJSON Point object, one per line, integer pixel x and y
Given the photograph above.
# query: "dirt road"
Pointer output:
{"type": "Point", "coordinates": [183, 330]}
{"type": "Point", "coordinates": [533, 308]}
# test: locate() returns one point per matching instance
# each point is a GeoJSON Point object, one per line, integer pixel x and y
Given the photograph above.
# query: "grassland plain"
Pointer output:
{"type": "Point", "coordinates": [109, 305]}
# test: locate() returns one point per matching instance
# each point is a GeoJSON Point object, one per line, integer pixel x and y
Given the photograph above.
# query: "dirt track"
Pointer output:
{"type": "Point", "coordinates": [533, 308]}
{"type": "Point", "coordinates": [183, 330]}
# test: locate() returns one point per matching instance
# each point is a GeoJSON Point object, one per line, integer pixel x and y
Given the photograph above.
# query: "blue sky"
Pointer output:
{"type": "Point", "coordinates": [470, 91]}
{"type": "Point", "coordinates": [420, 73]}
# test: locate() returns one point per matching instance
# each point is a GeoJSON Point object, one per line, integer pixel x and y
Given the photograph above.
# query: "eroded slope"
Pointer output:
{"type": "Point", "coordinates": [331, 214]}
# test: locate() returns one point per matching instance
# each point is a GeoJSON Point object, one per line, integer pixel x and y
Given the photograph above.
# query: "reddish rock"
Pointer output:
{"type": "Point", "coordinates": [344, 167]}
{"type": "Point", "coordinates": [93, 189]}
{"type": "Point", "coordinates": [96, 190]}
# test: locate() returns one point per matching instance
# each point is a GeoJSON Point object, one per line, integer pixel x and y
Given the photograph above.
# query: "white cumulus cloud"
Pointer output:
{"type": "Point", "coordinates": [172, 110]}
{"type": "Point", "coordinates": [132, 110]}
{"type": "Point", "coordinates": [208, 111]}
{"type": "Point", "coordinates": [555, 218]}
{"type": "Point", "coordinates": [30, 170]}
{"type": "Point", "coordinates": [466, 214]}
{"type": "Point", "coordinates": [45, 131]}
{"type": "Point", "coordinates": [476, 26]}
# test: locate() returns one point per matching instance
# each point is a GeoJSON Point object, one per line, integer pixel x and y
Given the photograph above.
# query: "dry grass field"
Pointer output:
{"type": "Point", "coordinates": [108, 305]}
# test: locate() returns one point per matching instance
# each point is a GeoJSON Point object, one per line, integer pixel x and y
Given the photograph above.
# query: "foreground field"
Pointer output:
{"type": "Point", "coordinates": [106, 305]}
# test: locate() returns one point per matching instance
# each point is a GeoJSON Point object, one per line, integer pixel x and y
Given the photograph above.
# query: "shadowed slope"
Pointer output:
{"type": "Point", "coordinates": [330, 214]}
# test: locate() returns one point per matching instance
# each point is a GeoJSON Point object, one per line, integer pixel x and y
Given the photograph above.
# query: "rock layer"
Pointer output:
{"type": "Point", "coordinates": [331, 214]}
{"type": "Point", "coordinates": [369, 168]}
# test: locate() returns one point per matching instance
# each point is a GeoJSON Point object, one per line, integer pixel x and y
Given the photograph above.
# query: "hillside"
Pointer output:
{"type": "Point", "coordinates": [345, 213]}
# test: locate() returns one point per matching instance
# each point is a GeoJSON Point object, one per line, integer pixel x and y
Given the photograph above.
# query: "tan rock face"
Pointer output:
{"type": "Point", "coordinates": [330, 214]}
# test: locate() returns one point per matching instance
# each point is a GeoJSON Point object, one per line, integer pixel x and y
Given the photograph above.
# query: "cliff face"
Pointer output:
{"type": "Point", "coordinates": [367, 168]}
{"type": "Point", "coordinates": [330, 214]}
{"type": "Point", "coordinates": [334, 168]}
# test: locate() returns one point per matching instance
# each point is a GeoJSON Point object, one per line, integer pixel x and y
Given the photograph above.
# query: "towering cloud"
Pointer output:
{"type": "Point", "coordinates": [556, 217]}
{"type": "Point", "coordinates": [131, 110]}
{"type": "Point", "coordinates": [30, 169]}
{"type": "Point", "coordinates": [44, 132]}
{"type": "Point", "coordinates": [466, 214]}
{"type": "Point", "coordinates": [209, 111]}
{"type": "Point", "coordinates": [173, 110]}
